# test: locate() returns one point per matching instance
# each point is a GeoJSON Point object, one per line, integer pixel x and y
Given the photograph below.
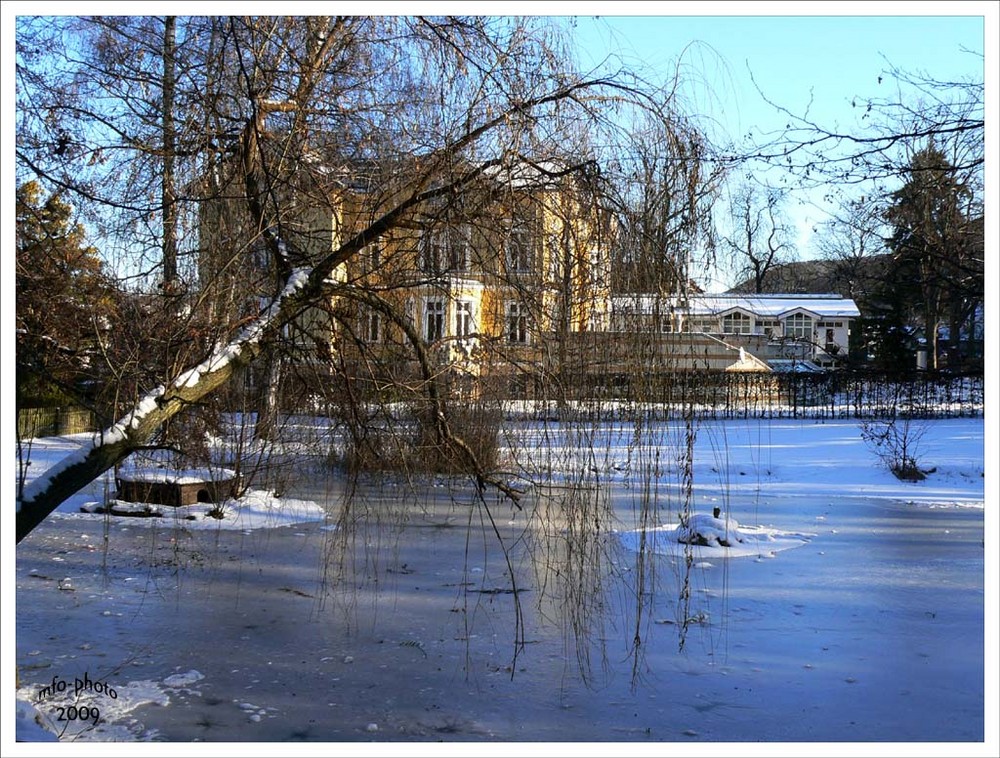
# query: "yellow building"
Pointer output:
{"type": "Point", "coordinates": [489, 284]}
{"type": "Point", "coordinates": [486, 282]}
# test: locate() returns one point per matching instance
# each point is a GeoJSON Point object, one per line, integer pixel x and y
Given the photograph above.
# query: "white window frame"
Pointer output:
{"type": "Point", "coordinates": [434, 320]}
{"type": "Point", "coordinates": [701, 325]}
{"type": "Point", "coordinates": [516, 323]}
{"type": "Point", "coordinates": [668, 323]}
{"type": "Point", "coordinates": [446, 248]}
{"type": "Point", "coordinates": [745, 325]}
{"type": "Point", "coordinates": [464, 324]}
{"type": "Point", "coordinates": [433, 252]}
{"type": "Point", "coordinates": [371, 257]}
{"type": "Point", "coordinates": [373, 326]}
{"type": "Point", "coordinates": [518, 253]}
{"type": "Point", "coordinates": [769, 327]}
{"type": "Point", "coordinates": [796, 327]}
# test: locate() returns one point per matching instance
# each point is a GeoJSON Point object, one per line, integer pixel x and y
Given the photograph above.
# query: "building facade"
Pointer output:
{"type": "Point", "coordinates": [474, 283]}
{"type": "Point", "coordinates": [799, 332]}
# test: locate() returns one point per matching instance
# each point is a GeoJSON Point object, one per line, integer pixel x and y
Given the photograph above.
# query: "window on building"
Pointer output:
{"type": "Point", "coordinates": [432, 252]}
{"type": "Point", "coordinates": [517, 250]}
{"type": "Point", "coordinates": [799, 326]}
{"type": "Point", "coordinates": [701, 325]}
{"type": "Point", "coordinates": [463, 319]}
{"type": "Point", "coordinates": [433, 320]}
{"type": "Point", "coordinates": [517, 323]}
{"type": "Point", "coordinates": [737, 323]}
{"type": "Point", "coordinates": [371, 257]}
{"type": "Point", "coordinates": [459, 242]}
{"type": "Point", "coordinates": [769, 327]}
{"type": "Point", "coordinates": [445, 248]}
{"type": "Point", "coordinates": [596, 273]}
{"type": "Point", "coordinates": [373, 326]}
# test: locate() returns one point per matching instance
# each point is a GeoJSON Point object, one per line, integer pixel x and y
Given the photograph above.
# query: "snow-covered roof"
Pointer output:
{"type": "Point", "coordinates": [525, 174]}
{"type": "Point", "coordinates": [794, 366]}
{"type": "Point", "coordinates": [765, 306]}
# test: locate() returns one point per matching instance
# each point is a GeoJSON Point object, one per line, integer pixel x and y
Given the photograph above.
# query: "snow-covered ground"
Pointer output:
{"type": "Point", "coordinates": [827, 602]}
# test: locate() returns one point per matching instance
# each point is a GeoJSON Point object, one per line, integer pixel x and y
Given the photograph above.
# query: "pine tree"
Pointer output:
{"type": "Point", "coordinates": [930, 245]}
{"type": "Point", "coordinates": [64, 300]}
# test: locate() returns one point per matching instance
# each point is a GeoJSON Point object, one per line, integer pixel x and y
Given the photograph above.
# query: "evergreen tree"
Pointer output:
{"type": "Point", "coordinates": [64, 301]}
{"type": "Point", "coordinates": [931, 234]}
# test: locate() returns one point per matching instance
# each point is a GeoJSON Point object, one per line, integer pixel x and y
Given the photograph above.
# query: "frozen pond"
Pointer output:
{"type": "Point", "coordinates": [868, 628]}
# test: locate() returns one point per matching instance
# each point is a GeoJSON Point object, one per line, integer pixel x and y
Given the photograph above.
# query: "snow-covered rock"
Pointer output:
{"type": "Point", "coordinates": [709, 531]}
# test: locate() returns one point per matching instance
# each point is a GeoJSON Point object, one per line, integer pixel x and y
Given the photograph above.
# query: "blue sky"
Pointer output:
{"type": "Point", "coordinates": [794, 60]}
{"type": "Point", "coordinates": [815, 63]}
{"type": "Point", "coordinates": [820, 58]}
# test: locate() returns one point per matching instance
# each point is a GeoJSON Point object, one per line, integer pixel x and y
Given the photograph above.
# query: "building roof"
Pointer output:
{"type": "Point", "coordinates": [766, 306]}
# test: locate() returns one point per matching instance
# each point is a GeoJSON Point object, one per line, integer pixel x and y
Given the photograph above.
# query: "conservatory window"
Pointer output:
{"type": "Point", "coordinates": [799, 326]}
{"type": "Point", "coordinates": [737, 323]}
{"type": "Point", "coordinates": [769, 327]}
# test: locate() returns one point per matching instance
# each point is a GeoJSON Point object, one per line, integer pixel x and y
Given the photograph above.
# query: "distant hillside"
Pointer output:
{"type": "Point", "coordinates": [856, 279]}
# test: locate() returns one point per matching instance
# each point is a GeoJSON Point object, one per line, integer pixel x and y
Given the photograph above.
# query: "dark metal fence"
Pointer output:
{"type": "Point", "coordinates": [830, 395]}
{"type": "Point", "coordinates": [844, 394]}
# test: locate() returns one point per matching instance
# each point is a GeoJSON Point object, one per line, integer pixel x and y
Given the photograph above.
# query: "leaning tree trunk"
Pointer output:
{"type": "Point", "coordinates": [303, 286]}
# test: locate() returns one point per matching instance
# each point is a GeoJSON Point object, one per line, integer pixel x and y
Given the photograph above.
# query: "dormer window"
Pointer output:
{"type": "Point", "coordinates": [737, 323]}
{"type": "Point", "coordinates": [799, 326]}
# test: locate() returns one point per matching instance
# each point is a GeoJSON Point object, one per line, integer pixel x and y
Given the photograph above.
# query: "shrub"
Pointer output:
{"type": "Point", "coordinates": [896, 441]}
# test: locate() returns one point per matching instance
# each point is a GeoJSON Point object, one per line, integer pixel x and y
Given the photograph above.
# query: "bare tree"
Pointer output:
{"type": "Point", "coordinates": [337, 182]}
{"type": "Point", "coordinates": [761, 238]}
{"type": "Point", "coordinates": [480, 95]}
{"type": "Point", "coordinates": [851, 240]}
{"type": "Point", "coordinates": [668, 216]}
{"type": "Point", "coordinates": [917, 107]}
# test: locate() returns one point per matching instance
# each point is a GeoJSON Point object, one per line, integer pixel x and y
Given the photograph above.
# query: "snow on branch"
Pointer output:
{"type": "Point", "coordinates": [109, 446]}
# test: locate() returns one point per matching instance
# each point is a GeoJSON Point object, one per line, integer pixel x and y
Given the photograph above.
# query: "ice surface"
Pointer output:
{"type": "Point", "coordinates": [871, 630]}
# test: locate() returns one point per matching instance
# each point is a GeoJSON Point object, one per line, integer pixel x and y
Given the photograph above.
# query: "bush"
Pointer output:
{"type": "Point", "coordinates": [414, 444]}
{"type": "Point", "coordinates": [896, 442]}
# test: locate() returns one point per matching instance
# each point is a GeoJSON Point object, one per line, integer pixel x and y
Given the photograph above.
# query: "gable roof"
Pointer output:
{"type": "Point", "coordinates": [776, 305]}
{"type": "Point", "coordinates": [762, 306]}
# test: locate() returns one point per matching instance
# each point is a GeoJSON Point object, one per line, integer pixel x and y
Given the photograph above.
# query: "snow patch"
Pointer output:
{"type": "Point", "coordinates": [707, 535]}
{"type": "Point", "coordinates": [256, 509]}
{"type": "Point", "coordinates": [114, 725]}
{"type": "Point", "coordinates": [183, 680]}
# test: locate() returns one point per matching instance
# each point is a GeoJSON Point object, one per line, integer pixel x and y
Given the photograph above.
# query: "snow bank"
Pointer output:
{"type": "Point", "coordinates": [256, 509]}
